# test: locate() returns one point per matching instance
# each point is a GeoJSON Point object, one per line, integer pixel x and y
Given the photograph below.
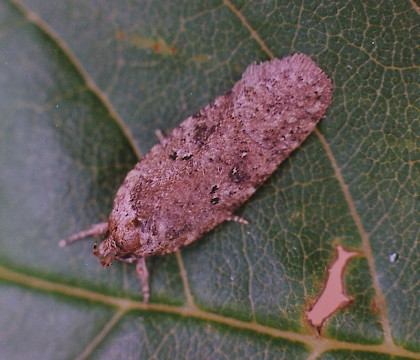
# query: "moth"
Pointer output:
{"type": "Point", "coordinates": [206, 168]}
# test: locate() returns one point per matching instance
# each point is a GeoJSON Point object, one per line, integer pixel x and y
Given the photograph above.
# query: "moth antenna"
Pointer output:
{"type": "Point", "coordinates": [94, 230]}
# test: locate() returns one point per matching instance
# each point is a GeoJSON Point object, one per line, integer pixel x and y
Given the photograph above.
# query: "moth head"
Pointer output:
{"type": "Point", "coordinates": [106, 251]}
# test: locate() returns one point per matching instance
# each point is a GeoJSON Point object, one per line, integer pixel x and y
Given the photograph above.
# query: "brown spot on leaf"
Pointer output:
{"type": "Point", "coordinates": [158, 45]}
{"type": "Point", "coordinates": [120, 35]}
{"type": "Point", "coordinates": [374, 307]}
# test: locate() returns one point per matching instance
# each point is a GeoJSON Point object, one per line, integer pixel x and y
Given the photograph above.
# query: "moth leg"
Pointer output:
{"type": "Point", "coordinates": [143, 275]}
{"type": "Point", "coordinates": [237, 219]}
{"type": "Point", "coordinates": [95, 230]}
{"type": "Point", "coordinates": [160, 136]}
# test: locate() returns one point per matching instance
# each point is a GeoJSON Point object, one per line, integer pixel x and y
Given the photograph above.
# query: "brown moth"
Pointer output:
{"type": "Point", "coordinates": [201, 173]}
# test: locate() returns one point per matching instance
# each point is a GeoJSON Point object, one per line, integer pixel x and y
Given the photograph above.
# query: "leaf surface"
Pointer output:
{"type": "Point", "coordinates": [85, 84]}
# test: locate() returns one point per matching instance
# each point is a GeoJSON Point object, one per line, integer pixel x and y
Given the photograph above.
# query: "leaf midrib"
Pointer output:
{"type": "Point", "coordinates": [317, 344]}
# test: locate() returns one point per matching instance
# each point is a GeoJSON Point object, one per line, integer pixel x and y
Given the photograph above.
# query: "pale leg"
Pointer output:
{"type": "Point", "coordinates": [159, 135]}
{"type": "Point", "coordinates": [237, 219]}
{"type": "Point", "coordinates": [95, 230]}
{"type": "Point", "coordinates": [143, 275]}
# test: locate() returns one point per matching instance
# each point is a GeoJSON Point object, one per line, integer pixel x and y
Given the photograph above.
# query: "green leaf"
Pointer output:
{"type": "Point", "coordinates": [84, 86]}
